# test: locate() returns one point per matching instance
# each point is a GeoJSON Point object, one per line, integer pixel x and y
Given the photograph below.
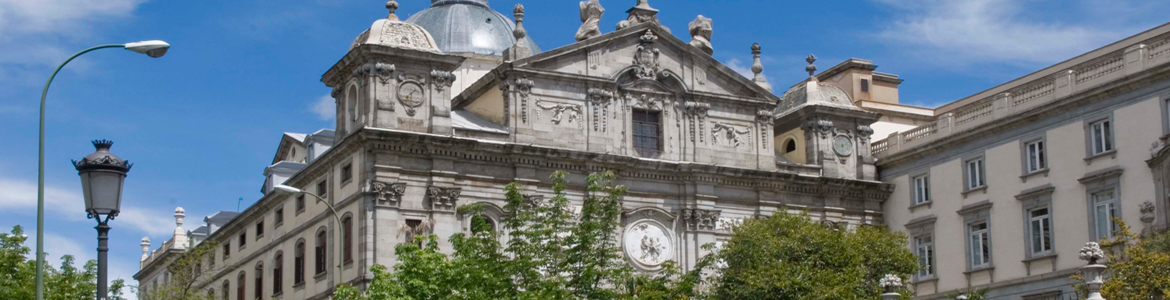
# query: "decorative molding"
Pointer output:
{"type": "Point", "coordinates": [1100, 175]}
{"type": "Point", "coordinates": [559, 111]}
{"type": "Point", "coordinates": [523, 86]}
{"type": "Point", "coordinates": [697, 112]}
{"type": "Point", "coordinates": [975, 207]}
{"type": "Point", "coordinates": [864, 132]}
{"type": "Point", "coordinates": [765, 118]}
{"type": "Point", "coordinates": [727, 223]}
{"type": "Point", "coordinates": [411, 93]}
{"type": "Point", "coordinates": [1045, 189]}
{"type": "Point", "coordinates": [730, 133]}
{"type": "Point", "coordinates": [644, 101]}
{"type": "Point", "coordinates": [534, 201]}
{"type": "Point", "coordinates": [443, 198]}
{"type": "Point", "coordinates": [600, 99]}
{"type": "Point", "coordinates": [646, 57]}
{"type": "Point", "coordinates": [819, 125]}
{"type": "Point", "coordinates": [701, 219]}
{"type": "Point", "coordinates": [442, 79]}
{"type": "Point", "coordinates": [382, 70]}
{"type": "Point", "coordinates": [389, 193]}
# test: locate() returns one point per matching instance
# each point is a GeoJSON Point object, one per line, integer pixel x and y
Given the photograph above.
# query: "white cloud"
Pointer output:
{"type": "Point", "coordinates": [41, 33]}
{"type": "Point", "coordinates": [1004, 31]}
{"type": "Point", "coordinates": [21, 195]}
{"type": "Point", "coordinates": [325, 108]}
{"type": "Point", "coordinates": [746, 70]}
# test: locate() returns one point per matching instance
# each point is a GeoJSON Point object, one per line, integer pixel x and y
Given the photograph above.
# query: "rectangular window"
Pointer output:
{"type": "Point", "coordinates": [243, 239]}
{"type": "Point", "coordinates": [925, 247]}
{"type": "Point", "coordinates": [647, 132]}
{"type": "Point", "coordinates": [1105, 207]}
{"type": "Point", "coordinates": [322, 188]}
{"type": "Point", "coordinates": [300, 203]}
{"type": "Point", "coordinates": [980, 245]}
{"type": "Point", "coordinates": [921, 190]}
{"type": "Point", "coordinates": [1034, 159]}
{"type": "Point", "coordinates": [975, 174]}
{"type": "Point", "coordinates": [227, 250]}
{"type": "Point", "coordinates": [259, 229]}
{"type": "Point", "coordinates": [1040, 229]}
{"type": "Point", "coordinates": [1100, 137]}
{"type": "Point", "coordinates": [865, 85]}
{"type": "Point", "coordinates": [346, 173]}
{"type": "Point", "coordinates": [278, 215]}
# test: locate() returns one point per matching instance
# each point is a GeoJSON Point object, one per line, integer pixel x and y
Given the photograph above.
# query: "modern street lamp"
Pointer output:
{"type": "Point", "coordinates": [280, 188]}
{"type": "Point", "coordinates": [102, 175]}
{"type": "Point", "coordinates": [154, 48]}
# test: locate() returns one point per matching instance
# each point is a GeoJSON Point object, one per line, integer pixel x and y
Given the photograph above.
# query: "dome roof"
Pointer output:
{"type": "Point", "coordinates": [393, 32]}
{"type": "Point", "coordinates": [814, 92]}
{"type": "Point", "coordinates": [469, 26]}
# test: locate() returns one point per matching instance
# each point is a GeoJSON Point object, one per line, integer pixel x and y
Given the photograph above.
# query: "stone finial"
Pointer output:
{"type": "Point", "coordinates": [591, 12]}
{"type": "Point", "coordinates": [519, 33]}
{"type": "Point", "coordinates": [392, 6]}
{"type": "Point", "coordinates": [641, 13]}
{"type": "Point", "coordinates": [889, 283]}
{"type": "Point", "coordinates": [811, 68]}
{"type": "Point", "coordinates": [1091, 252]}
{"type": "Point", "coordinates": [145, 248]}
{"type": "Point", "coordinates": [701, 29]}
{"type": "Point", "coordinates": [758, 68]}
{"type": "Point", "coordinates": [518, 50]}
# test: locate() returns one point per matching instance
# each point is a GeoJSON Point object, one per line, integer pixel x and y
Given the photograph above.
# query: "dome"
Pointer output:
{"type": "Point", "coordinates": [395, 33]}
{"type": "Point", "coordinates": [468, 26]}
{"type": "Point", "coordinates": [814, 92]}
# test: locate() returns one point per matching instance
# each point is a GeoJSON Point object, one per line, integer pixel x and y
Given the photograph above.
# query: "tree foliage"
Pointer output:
{"type": "Point", "coordinates": [551, 253]}
{"type": "Point", "coordinates": [18, 272]}
{"type": "Point", "coordinates": [1138, 267]}
{"type": "Point", "coordinates": [187, 271]}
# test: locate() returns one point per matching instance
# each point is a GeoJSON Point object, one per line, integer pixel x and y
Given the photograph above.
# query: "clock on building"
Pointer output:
{"type": "Point", "coordinates": [843, 145]}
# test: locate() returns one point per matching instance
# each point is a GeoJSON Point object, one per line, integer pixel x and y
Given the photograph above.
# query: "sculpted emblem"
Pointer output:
{"type": "Point", "coordinates": [410, 94]}
{"type": "Point", "coordinates": [648, 244]}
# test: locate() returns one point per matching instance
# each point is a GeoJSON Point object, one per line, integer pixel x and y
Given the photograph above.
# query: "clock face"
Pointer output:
{"type": "Point", "coordinates": [843, 145]}
{"type": "Point", "coordinates": [410, 94]}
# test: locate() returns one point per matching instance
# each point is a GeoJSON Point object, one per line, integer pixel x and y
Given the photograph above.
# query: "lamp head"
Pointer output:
{"type": "Point", "coordinates": [152, 48]}
{"type": "Point", "coordinates": [284, 189]}
{"type": "Point", "coordinates": [102, 175]}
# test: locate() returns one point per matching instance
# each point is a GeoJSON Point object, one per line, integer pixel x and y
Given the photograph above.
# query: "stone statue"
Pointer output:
{"type": "Point", "coordinates": [641, 13]}
{"type": "Point", "coordinates": [701, 29]}
{"type": "Point", "coordinates": [591, 12]}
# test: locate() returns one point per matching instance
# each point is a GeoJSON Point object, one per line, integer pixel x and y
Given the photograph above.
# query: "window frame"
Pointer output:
{"type": "Point", "coordinates": [932, 254]}
{"type": "Point", "coordinates": [659, 133]}
{"type": "Point", "coordinates": [259, 229]}
{"type": "Point", "coordinates": [243, 240]}
{"type": "Point", "coordinates": [322, 189]}
{"type": "Point", "coordinates": [1113, 205]}
{"type": "Point", "coordinates": [347, 239]}
{"type": "Point", "coordinates": [300, 203]}
{"type": "Point", "coordinates": [278, 274]}
{"type": "Point", "coordinates": [299, 262]}
{"type": "Point", "coordinates": [982, 173]}
{"type": "Point", "coordinates": [278, 216]}
{"type": "Point", "coordinates": [346, 173]}
{"type": "Point", "coordinates": [1105, 180]}
{"type": "Point", "coordinates": [1045, 231]}
{"type": "Point", "coordinates": [984, 239]}
{"type": "Point", "coordinates": [1109, 137]}
{"type": "Point", "coordinates": [321, 252]}
{"type": "Point", "coordinates": [918, 191]}
{"type": "Point", "coordinates": [975, 214]}
{"type": "Point", "coordinates": [1031, 200]}
{"type": "Point", "coordinates": [1026, 155]}
{"type": "Point", "coordinates": [258, 289]}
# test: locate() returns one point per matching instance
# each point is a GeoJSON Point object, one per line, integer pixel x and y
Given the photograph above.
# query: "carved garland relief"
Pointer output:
{"type": "Point", "coordinates": [560, 111]}
{"type": "Point", "coordinates": [733, 135]}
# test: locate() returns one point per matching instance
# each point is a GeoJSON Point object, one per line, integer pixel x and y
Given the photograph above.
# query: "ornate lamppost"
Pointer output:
{"type": "Point", "coordinates": [102, 175]}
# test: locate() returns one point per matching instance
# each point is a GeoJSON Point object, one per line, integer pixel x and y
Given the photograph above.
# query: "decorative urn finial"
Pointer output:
{"type": "Point", "coordinates": [519, 33]}
{"type": "Point", "coordinates": [811, 68]}
{"type": "Point", "coordinates": [392, 6]}
{"type": "Point", "coordinates": [758, 68]}
{"type": "Point", "coordinates": [1091, 252]}
{"type": "Point", "coordinates": [145, 248]}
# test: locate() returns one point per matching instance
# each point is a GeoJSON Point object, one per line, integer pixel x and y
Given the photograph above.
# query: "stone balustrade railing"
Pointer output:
{"type": "Point", "coordinates": [1022, 96]}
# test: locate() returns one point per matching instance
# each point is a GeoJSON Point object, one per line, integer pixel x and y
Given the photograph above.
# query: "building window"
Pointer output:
{"type": "Point", "coordinates": [278, 216]}
{"type": "Point", "coordinates": [647, 132]}
{"type": "Point", "coordinates": [224, 289]}
{"type": "Point", "coordinates": [278, 274]}
{"type": "Point", "coordinates": [975, 174]}
{"type": "Point", "coordinates": [259, 289]}
{"type": "Point", "coordinates": [299, 263]}
{"type": "Point", "coordinates": [1105, 208]}
{"type": "Point", "coordinates": [414, 226]}
{"type": "Point", "coordinates": [921, 189]}
{"type": "Point", "coordinates": [865, 85]}
{"type": "Point", "coordinates": [789, 146]}
{"type": "Point", "coordinates": [319, 262]}
{"type": "Point", "coordinates": [322, 188]}
{"type": "Point", "coordinates": [243, 239]}
{"type": "Point", "coordinates": [346, 173]}
{"type": "Point", "coordinates": [240, 291]}
{"type": "Point", "coordinates": [227, 251]}
{"type": "Point", "coordinates": [259, 229]}
{"type": "Point", "coordinates": [1040, 229]}
{"type": "Point", "coordinates": [300, 203]}
{"type": "Point", "coordinates": [1100, 137]}
{"type": "Point", "coordinates": [1034, 157]}
{"type": "Point", "coordinates": [347, 240]}
{"type": "Point", "coordinates": [925, 248]}
{"type": "Point", "coordinates": [980, 245]}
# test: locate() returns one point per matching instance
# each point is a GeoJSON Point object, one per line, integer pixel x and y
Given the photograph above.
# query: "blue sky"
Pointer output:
{"type": "Point", "coordinates": [201, 123]}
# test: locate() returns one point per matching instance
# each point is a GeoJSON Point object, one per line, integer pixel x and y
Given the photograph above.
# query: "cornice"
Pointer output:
{"type": "Point", "coordinates": [1045, 189]}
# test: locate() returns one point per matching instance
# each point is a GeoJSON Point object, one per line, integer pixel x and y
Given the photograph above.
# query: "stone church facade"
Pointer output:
{"type": "Point", "coordinates": [694, 141]}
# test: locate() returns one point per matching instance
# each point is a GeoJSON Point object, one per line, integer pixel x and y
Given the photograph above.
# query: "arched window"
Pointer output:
{"type": "Point", "coordinates": [278, 273]}
{"type": "Point", "coordinates": [224, 289]}
{"type": "Point", "coordinates": [351, 109]}
{"type": "Point", "coordinates": [259, 275]}
{"type": "Point", "coordinates": [299, 263]}
{"type": "Point", "coordinates": [347, 240]}
{"type": "Point", "coordinates": [481, 222]}
{"type": "Point", "coordinates": [240, 283]}
{"type": "Point", "coordinates": [211, 293]}
{"type": "Point", "coordinates": [789, 146]}
{"type": "Point", "coordinates": [319, 261]}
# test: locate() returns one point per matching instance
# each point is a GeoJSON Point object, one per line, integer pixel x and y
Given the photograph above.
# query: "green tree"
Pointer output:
{"type": "Point", "coordinates": [187, 271]}
{"type": "Point", "coordinates": [1139, 267]}
{"type": "Point", "coordinates": [67, 282]}
{"type": "Point", "coordinates": [791, 256]}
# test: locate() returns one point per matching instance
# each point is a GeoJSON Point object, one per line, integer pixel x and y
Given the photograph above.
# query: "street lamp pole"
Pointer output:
{"type": "Point", "coordinates": [150, 48]}
{"type": "Point", "coordinates": [340, 227]}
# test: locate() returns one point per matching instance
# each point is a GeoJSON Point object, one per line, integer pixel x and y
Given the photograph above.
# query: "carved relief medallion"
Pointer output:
{"type": "Point", "coordinates": [411, 95]}
{"type": "Point", "coordinates": [648, 244]}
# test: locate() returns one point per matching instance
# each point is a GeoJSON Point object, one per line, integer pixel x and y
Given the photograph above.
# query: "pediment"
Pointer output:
{"type": "Point", "coordinates": [641, 52]}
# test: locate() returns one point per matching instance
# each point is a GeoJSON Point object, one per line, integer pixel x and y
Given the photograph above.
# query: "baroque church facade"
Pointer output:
{"type": "Point", "coordinates": [439, 111]}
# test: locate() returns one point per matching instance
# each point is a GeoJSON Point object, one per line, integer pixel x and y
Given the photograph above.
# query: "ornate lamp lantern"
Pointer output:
{"type": "Point", "coordinates": [102, 174]}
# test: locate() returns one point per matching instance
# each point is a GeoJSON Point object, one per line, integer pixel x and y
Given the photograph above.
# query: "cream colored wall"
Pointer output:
{"type": "Point", "coordinates": [798, 156]}
{"type": "Point", "coordinates": [883, 91]}
{"type": "Point", "coordinates": [296, 154]}
{"type": "Point", "coordinates": [489, 106]}
{"type": "Point", "coordinates": [1067, 163]}
{"type": "Point", "coordinates": [472, 69]}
